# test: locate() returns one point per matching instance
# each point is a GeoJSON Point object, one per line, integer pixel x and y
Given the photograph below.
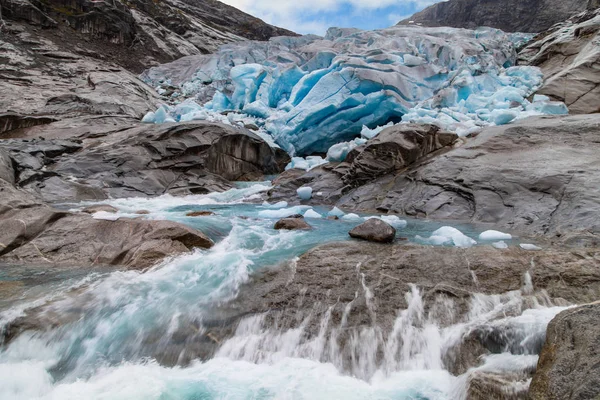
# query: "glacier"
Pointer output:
{"type": "Point", "coordinates": [310, 93]}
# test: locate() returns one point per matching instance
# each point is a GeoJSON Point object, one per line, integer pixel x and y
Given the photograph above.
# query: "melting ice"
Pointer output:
{"type": "Point", "coordinates": [311, 93]}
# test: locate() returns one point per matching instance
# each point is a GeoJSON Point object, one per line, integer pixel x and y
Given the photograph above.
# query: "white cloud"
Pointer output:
{"type": "Point", "coordinates": [302, 16]}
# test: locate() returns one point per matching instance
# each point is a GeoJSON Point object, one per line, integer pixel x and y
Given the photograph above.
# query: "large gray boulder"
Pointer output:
{"type": "Point", "coordinates": [393, 149]}
{"type": "Point", "coordinates": [569, 56]}
{"type": "Point", "coordinates": [374, 230]}
{"type": "Point", "coordinates": [569, 365]}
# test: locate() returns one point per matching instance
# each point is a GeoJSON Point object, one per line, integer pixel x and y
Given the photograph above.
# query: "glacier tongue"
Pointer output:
{"type": "Point", "coordinates": [311, 93]}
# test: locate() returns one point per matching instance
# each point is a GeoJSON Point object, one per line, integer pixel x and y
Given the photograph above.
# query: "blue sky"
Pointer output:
{"type": "Point", "coordinates": [315, 16]}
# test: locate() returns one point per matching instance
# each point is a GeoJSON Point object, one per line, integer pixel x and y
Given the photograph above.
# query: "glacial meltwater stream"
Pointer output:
{"type": "Point", "coordinates": [141, 335]}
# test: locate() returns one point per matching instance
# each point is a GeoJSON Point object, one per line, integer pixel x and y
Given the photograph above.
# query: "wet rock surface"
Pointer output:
{"type": "Point", "coordinates": [569, 56]}
{"type": "Point", "coordinates": [569, 362]}
{"type": "Point", "coordinates": [146, 160]}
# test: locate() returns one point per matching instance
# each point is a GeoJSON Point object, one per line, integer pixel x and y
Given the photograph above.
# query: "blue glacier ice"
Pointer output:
{"type": "Point", "coordinates": [310, 93]}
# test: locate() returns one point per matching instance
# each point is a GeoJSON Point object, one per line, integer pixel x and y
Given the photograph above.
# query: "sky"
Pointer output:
{"type": "Point", "coordinates": [315, 16]}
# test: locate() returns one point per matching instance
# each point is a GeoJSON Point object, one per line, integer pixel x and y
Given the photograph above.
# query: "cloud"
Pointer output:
{"type": "Point", "coordinates": [315, 16]}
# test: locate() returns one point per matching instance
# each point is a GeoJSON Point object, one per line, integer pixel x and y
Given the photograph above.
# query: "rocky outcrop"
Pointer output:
{"type": "Point", "coordinates": [374, 230]}
{"type": "Point", "coordinates": [508, 15]}
{"type": "Point", "coordinates": [393, 149]}
{"type": "Point", "coordinates": [537, 176]}
{"type": "Point", "coordinates": [569, 56]}
{"type": "Point", "coordinates": [136, 34]}
{"type": "Point", "coordinates": [147, 160]}
{"type": "Point", "coordinates": [390, 152]}
{"type": "Point", "coordinates": [33, 233]}
{"type": "Point", "coordinates": [569, 364]}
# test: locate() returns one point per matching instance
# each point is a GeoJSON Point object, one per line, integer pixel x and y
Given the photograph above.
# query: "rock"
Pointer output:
{"type": "Point", "coordinates": [199, 214]}
{"type": "Point", "coordinates": [142, 160]}
{"type": "Point", "coordinates": [508, 15]}
{"type": "Point", "coordinates": [495, 386]}
{"type": "Point", "coordinates": [367, 285]}
{"type": "Point", "coordinates": [69, 240]}
{"type": "Point", "coordinates": [292, 223]}
{"type": "Point", "coordinates": [374, 230]}
{"type": "Point", "coordinates": [393, 149]}
{"type": "Point", "coordinates": [12, 121]}
{"type": "Point", "coordinates": [569, 364]}
{"type": "Point", "coordinates": [569, 56]}
{"type": "Point", "coordinates": [536, 177]}
{"type": "Point", "coordinates": [34, 233]}
{"type": "Point", "coordinates": [138, 33]}
{"type": "Point", "coordinates": [100, 208]}
{"type": "Point", "coordinates": [142, 212]}
{"type": "Point", "coordinates": [244, 156]}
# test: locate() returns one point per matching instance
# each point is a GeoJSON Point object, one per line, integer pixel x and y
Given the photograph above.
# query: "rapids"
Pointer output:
{"type": "Point", "coordinates": [141, 335]}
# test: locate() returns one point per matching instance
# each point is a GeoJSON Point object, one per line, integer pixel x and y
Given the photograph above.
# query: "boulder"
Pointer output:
{"type": "Point", "coordinates": [393, 149]}
{"type": "Point", "coordinates": [569, 365]}
{"type": "Point", "coordinates": [374, 230]}
{"type": "Point", "coordinates": [295, 222]}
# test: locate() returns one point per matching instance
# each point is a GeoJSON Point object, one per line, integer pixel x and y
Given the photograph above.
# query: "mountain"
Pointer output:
{"type": "Point", "coordinates": [135, 33]}
{"type": "Point", "coordinates": [508, 15]}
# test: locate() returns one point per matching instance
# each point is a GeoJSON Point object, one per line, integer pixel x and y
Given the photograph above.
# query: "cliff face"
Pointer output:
{"type": "Point", "coordinates": [508, 15]}
{"type": "Point", "coordinates": [136, 33]}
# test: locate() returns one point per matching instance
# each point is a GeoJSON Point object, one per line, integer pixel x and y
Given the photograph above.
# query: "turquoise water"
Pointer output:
{"type": "Point", "coordinates": [115, 325]}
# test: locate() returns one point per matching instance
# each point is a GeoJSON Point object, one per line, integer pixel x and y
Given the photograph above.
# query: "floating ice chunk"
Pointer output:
{"type": "Point", "coordinates": [336, 212]}
{"type": "Point", "coordinates": [282, 213]}
{"type": "Point", "coordinates": [106, 216]}
{"type": "Point", "coordinates": [305, 193]}
{"type": "Point", "coordinates": [540, 97]}
{"type": "Point", "coordinates": [494, 235]}
{"type": "Point", "coordinates": [276, 206]}
{"type": "Point", "coordinates": [530, 247]}
{"type": "Point", "coordinates": [307, 163]}
{"type": "Point", "coordinates": [500, 245]}
{"type": "Point", "coordinates": [312, 214]}
{"type": "Point", "coordinates": [393, 220]}
{"type": "Point", "coordinates": [351, 217]}
{"type": "Point", "coordinates": [450, 235]}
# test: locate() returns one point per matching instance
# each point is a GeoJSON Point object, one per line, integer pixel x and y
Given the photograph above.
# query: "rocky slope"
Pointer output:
{"type": "Point", "coordinates": [135, 34]}
{"type": "Point", "coordinates": [508, 15]}
{"type": "Point", "coordinates": [569, 56]}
